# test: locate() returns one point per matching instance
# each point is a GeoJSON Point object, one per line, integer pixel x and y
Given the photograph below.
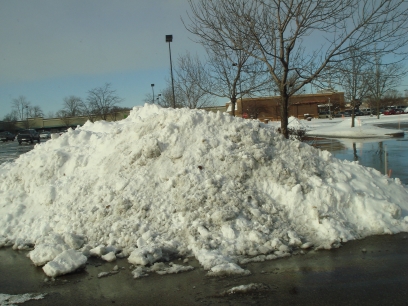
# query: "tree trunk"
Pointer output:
{"type": "Point", "coordinates": [284, 115]}
{"type": "Point", "coordinates": [353, 105]}
{"type": "Point", "coordinates": [233, 102]}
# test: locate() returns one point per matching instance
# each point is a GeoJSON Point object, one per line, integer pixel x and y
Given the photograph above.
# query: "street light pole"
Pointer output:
{"type": "Point", "coordinates": [153, 92]}
{"type": "Point", "coordinates": [169, 39]}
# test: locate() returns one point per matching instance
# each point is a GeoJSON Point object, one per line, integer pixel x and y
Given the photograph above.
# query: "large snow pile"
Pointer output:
{"type": "Point", "coordinates": [164, 183]}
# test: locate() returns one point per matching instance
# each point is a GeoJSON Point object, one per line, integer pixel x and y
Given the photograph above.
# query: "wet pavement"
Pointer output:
{"type": "Point", "coordinates": [372, 271]}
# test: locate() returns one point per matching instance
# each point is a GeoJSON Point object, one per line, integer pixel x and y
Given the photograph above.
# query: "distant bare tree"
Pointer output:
{"type": "Point", "coordinates": [20, 105]}
{"type": "Point", "coordinates": [188, 81]}
{"type": "Point", "coordinates": [298, 39]}
{"type": "Point", "coordinates": [12, 116]}
{"type": "Point", "coordinates": [115, 111]}
{"type": "Point", "coordinates": [50, 114]}
{"type": "Point", "coordinates": [352, 75]}
{"type": "Point", "coordinates": [9, 121]}
{"type": "Point", "coordinates": [101, 100]}
{"type": "Point", "coordinates": [64, 116]}
{"type": "Point", "coordinates": [73, 106]}
{"type": "Point", "coordinates": [35, 111]}
{"type": "Point", "coordinates": [383, 78]}
{"type": "Point", "coordinates": [165, 98]}
{"type": "Point", "coordinates": [252, 109]}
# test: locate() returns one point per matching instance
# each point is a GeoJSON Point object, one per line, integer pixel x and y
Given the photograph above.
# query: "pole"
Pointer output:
{"type": "Point", "coordinates": [169, 39]}
{"type": "Point", "coordinates": [153, 93]}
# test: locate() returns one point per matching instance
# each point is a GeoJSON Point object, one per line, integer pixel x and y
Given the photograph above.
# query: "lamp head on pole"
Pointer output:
{"type": "Point", "coordinates": [169, 38]}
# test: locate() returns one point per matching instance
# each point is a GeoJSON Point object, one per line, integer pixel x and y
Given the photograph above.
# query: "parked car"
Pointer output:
{"type": "Point", "coordinates": [324, 115]}
{"type": "Point", "coordinates": [28, 135]}
{"type": "Point", "coordinates": [390, 111]}
{"type": "Point", "coordinates": [366, 111]}
{"type": "Point", "coordinates": [399, 111]}
{"type": "Point", "coordinates": [45, 135]}
{"type": "Point", "coordinates": [6, 136]}
{"type": "Point", "coordinates": [343, 114]}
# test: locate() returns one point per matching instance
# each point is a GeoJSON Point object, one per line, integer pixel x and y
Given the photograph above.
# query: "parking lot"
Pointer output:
{"type": "Point", "coordinates": [11, 150]}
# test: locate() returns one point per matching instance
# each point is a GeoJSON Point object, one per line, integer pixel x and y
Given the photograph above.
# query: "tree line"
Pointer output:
{"type": "Point", "coordinates": [100, 102]}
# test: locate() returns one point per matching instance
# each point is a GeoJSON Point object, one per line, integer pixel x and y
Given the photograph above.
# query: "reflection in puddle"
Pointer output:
{"type": "Point", "coordinates": [389, 156]}
{"type": "Point", "coordinates": [329, 144]}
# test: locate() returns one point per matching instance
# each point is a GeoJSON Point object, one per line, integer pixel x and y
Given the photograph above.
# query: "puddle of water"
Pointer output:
{"type": "Point", "coordinates": [389, 156]}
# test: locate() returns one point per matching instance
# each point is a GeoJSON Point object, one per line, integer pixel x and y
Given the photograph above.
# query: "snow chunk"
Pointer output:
{"type": "Point", "coordinates": [44, 253]}
{"type": "Point", "coordinates": [250, 288]}
{"type": "Point", "coordinates": [145, 255]}
{"type": "Point", "coordinates": [227, 269]}
{"type": "Point", "coordinates": [109, 257]}
{"type": "Point", "coordinates": [64, 263]}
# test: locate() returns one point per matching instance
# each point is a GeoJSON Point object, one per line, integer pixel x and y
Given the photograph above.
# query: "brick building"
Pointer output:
{"type": "Point", "coordinates": [268, 108]}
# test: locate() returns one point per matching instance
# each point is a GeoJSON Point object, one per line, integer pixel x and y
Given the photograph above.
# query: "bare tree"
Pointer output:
{"type": "Point", "coordinates": [101, 100]}
{"type": "Point", "coordinates": [297, 39]}
{"type": "Point", "coordinates": [352, 75]}
{"type": "Point", "coordinates": [189, 78]}
{"type": "Point", "coordinates": [35, 111]}
{"type": "Point", "coordinates": [64, 116]}
{"type": "Point", "coordinates": [252, 109]}
{"type": "Point", "coordinates": [382, 79]}
{"type": "Point", "coordinates": [20, 105]}
{"type": "Point", "coordinates": [50, 114]}
{"type": "Point", "coordinates": [73, 106]}
{"type": "Point", "coordinates": [9, 121]}
{"type": "Point", "coordinates": [165, 97]}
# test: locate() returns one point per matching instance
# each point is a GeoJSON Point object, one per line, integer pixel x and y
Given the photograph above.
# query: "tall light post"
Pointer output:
{"type": "Point", "coordinates": [153, 92]}
{"type": "Point", "coordinates": [169, 39]}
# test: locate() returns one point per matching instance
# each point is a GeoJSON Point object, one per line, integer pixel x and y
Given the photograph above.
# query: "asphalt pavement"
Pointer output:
{"type": "Point", "coordinates": [372, 271]}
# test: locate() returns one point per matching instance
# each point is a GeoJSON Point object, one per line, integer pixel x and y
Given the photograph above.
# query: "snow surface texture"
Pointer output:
{"type": "Point", "coordinates": [164, 183]}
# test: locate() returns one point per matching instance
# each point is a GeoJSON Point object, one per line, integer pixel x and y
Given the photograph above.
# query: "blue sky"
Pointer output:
{"type": "Point", "coordinates": [51, 49]}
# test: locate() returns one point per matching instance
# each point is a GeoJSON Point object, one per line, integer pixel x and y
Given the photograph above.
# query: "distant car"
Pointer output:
{"type": "Point", "coordinates": [399, 111]}
{"type": "Point", "coordinates": [323, 115]}
{"type": "Point", "coordinates": [45, 135]}
{"type": "Point", "coordinates": [389, 112]}
{"type": "Point", "coordinates": [6, 136]}
{"type": "Point", "coordinates": [28, 135]}
{"type": "Point", "coordinates": [343, 114]}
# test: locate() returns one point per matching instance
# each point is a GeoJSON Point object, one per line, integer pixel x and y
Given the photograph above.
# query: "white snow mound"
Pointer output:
{"type": "Point", "coordinates": [167, 182]}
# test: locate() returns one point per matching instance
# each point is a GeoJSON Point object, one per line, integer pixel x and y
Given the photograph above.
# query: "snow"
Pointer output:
{"type": "Point", "coordinates": [66, 262]}
{"type": "Point", "coordinates": [364, 127]}
{"type": "Point", "coordinates": [7, 299]}
{"type": "Point", "coordinates": [164, 184]}
{"type": "Point", "coordinates": [250, 288]}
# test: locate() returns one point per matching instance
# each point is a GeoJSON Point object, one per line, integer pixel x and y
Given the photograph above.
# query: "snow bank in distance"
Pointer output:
{"type": "Point", "coordinates": [164, 183]}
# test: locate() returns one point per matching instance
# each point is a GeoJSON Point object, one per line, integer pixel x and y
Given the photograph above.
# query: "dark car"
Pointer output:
{"type": "Point", "coordinates": [28, 135]}
{"type": "Point", "coordinates": [6, 136]}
